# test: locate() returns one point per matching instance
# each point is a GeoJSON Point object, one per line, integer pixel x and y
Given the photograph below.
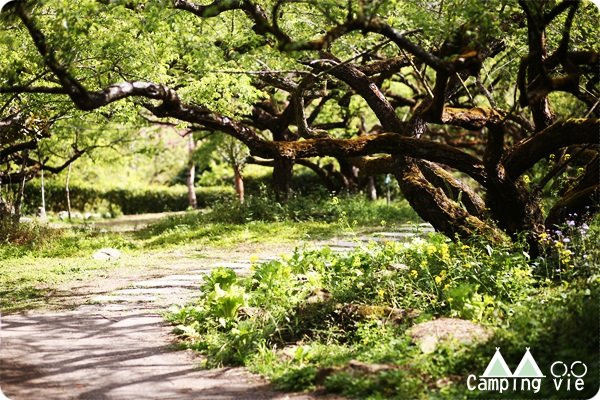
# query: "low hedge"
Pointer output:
{"type": "Point", "coordinates": [115, 200]}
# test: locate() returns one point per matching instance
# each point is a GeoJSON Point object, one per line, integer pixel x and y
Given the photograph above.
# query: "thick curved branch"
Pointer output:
{"type": "Point", "coordinates": [386, 143]}
{"type": "Point", "coordinates": [560, 134]}
{"type": "Point", "coordinates": [82, 98]}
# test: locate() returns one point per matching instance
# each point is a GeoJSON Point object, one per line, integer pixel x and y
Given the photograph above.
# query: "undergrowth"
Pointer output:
{"type": "Point", "coordinates": [306, 320]}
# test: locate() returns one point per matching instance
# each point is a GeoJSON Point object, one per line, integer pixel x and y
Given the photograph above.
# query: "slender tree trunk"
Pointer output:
{"type": "Point", "coordinates": [18, 201]}
{"type": "Point", "coordinates": [68, 193]}
{"type": "Point", "coordinates": [43, 207]}
{"type": "Point", "coordinates": [282, 177]}
{"type": "Point", "coordinates": [239, 183]}
{"type": "Point", "coordinates": [191, 173]}
{"type": "Point", "coordinates": [371, 189]}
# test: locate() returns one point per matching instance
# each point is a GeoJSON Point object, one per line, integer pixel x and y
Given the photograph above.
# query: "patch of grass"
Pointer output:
{"type": "Point", "coordinates": [35, 259]}
{"type": "Point", "coordinates": [308, 320]}
{"type": "Point", "coordinates": [28, 282]}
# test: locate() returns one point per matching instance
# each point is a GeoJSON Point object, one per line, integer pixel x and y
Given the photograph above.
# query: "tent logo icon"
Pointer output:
{"type": "Point", "coordinates": [498, 377]}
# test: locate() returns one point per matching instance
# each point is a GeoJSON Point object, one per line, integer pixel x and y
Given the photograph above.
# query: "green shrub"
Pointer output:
{"type": "Point", "coordinates": [120, 200]}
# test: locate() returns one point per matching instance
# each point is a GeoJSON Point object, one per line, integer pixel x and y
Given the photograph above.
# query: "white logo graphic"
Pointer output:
{"type": "Point", "coordinates": [2, 4]}
{"type": "Point", "coordinates": [528, 376]}
{"type": "Point", "coordinates": [2, 396]}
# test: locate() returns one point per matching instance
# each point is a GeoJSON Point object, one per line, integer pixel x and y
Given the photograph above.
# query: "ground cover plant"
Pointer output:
{"type": "Point", "coordinates": [341, 321]}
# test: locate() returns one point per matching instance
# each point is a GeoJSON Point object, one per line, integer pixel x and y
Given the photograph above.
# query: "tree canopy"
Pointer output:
{"type": "Point", "coordinates": [476, 107]}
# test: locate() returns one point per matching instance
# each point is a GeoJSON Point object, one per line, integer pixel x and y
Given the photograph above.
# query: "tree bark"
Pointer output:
{"type": "Point", "coordinates": [435, 207]}
{"type": "Point", "coordinates": [282, 177]}
{"type": "Point", "coordinates": [43, 207]}
{"type": "Point", "coordinates": [191, 173]}
{"type": "Point", "coordinates": [238, 183]}
{"type": "Point", "coordinates": [68, 193]}
{"type": "Point", "coordinates": [371, 189]}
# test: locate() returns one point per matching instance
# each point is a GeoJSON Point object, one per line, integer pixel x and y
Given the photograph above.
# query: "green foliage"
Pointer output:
{"type": "Point", "coordinates": [301, 300]}
{"type": "Point", "coordinates": [121, 200]}
{"type": "Point", "coordinates": [351, 210]}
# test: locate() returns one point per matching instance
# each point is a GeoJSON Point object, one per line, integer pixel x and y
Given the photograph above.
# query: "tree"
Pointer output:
{"type": "Point", "coordinates": [437, 80]}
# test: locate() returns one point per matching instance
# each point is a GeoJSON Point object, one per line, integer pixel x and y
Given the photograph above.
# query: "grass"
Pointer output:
{"type": "Point", "coordinates": [305, 320]}
{"type": "Point", "coordinates": [37, 259]}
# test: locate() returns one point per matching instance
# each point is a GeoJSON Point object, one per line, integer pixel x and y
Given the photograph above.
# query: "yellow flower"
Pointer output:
{"type": "Point", "coordinates": [438, 279]}
{"type": "Point", "coordinates": [430, 249]}
{"type": "Point", "coordinates": [526, 179]}
{"type": "Point", "coordinates": [380, 293]}
{"type": "Point", "coordinates": [253, 258]}
{"type": "Point", "coordinates": [444, 252]}
{"type": "Point", "coordinates": [414, 273]}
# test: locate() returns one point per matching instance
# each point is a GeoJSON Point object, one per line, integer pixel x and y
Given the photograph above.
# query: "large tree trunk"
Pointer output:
{"type": "Point", "coordinates": [191, 173]}
{"type": "Point", "coordinates": [432, 204]}
{"type": "Point", "coordinates": [282, 177]}
{"type": "Point", "coordinates": [238, 183]}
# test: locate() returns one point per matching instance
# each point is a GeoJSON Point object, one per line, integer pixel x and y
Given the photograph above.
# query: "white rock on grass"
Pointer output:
{"type": "Point", "coordinates": [107, 254]}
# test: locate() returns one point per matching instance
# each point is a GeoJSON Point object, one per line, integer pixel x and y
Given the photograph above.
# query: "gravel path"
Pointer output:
{"type": "Point", "coordinates": [117, 346]}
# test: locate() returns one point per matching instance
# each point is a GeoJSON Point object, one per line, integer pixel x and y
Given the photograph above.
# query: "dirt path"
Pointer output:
{"type": "Point", "coordinates": [115, 344]}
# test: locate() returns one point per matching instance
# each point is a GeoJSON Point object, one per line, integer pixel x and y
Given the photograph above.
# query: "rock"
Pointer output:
{"type": "Point", "coordinates": [428, 334]}
{"type": "Point", "coordinates": [354, 367]}
{"type": "Point", "coordinates": [361, 312]}
{"type": "Point", "coordinates": [367, 368]}
{"type": "Point", "coordinates": [250, 312]}
{"type": "Point", "coordinates": [107, 254]}
{"type": "Point", "coordinates": [318, 296]}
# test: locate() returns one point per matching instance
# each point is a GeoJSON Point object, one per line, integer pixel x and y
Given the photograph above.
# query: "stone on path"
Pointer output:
{"type": "Point", "coordinates": [107, 254]}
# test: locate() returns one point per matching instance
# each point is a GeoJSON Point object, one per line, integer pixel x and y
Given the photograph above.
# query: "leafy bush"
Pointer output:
{"type": "Point", "coordinates": [334, 308]}
{"type": "Point", "coordinates": [121, 200]}
{"type": "Point", "coordinates": [349, 209]}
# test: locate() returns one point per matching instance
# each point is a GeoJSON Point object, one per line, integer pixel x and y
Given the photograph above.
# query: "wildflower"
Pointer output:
{"type": "Point", "coordinates": [253, 258]}
{"type": "Point", "coordinates": [430, 249]}
{"type": "Point", "coordinates": [380, 293]}
{"type": "Point", "coordinates": [571, 223]}
{"type": "Point", "coordinates": [566, 240]}
{"type": "Point", "coordinates": [526, 179]}
{"type": "Point", "coordinates": [438, 279]}
{"type": "Point", "coordinates": [444, 252]}
{"type": "Point", "coordinates": [414, 273]}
